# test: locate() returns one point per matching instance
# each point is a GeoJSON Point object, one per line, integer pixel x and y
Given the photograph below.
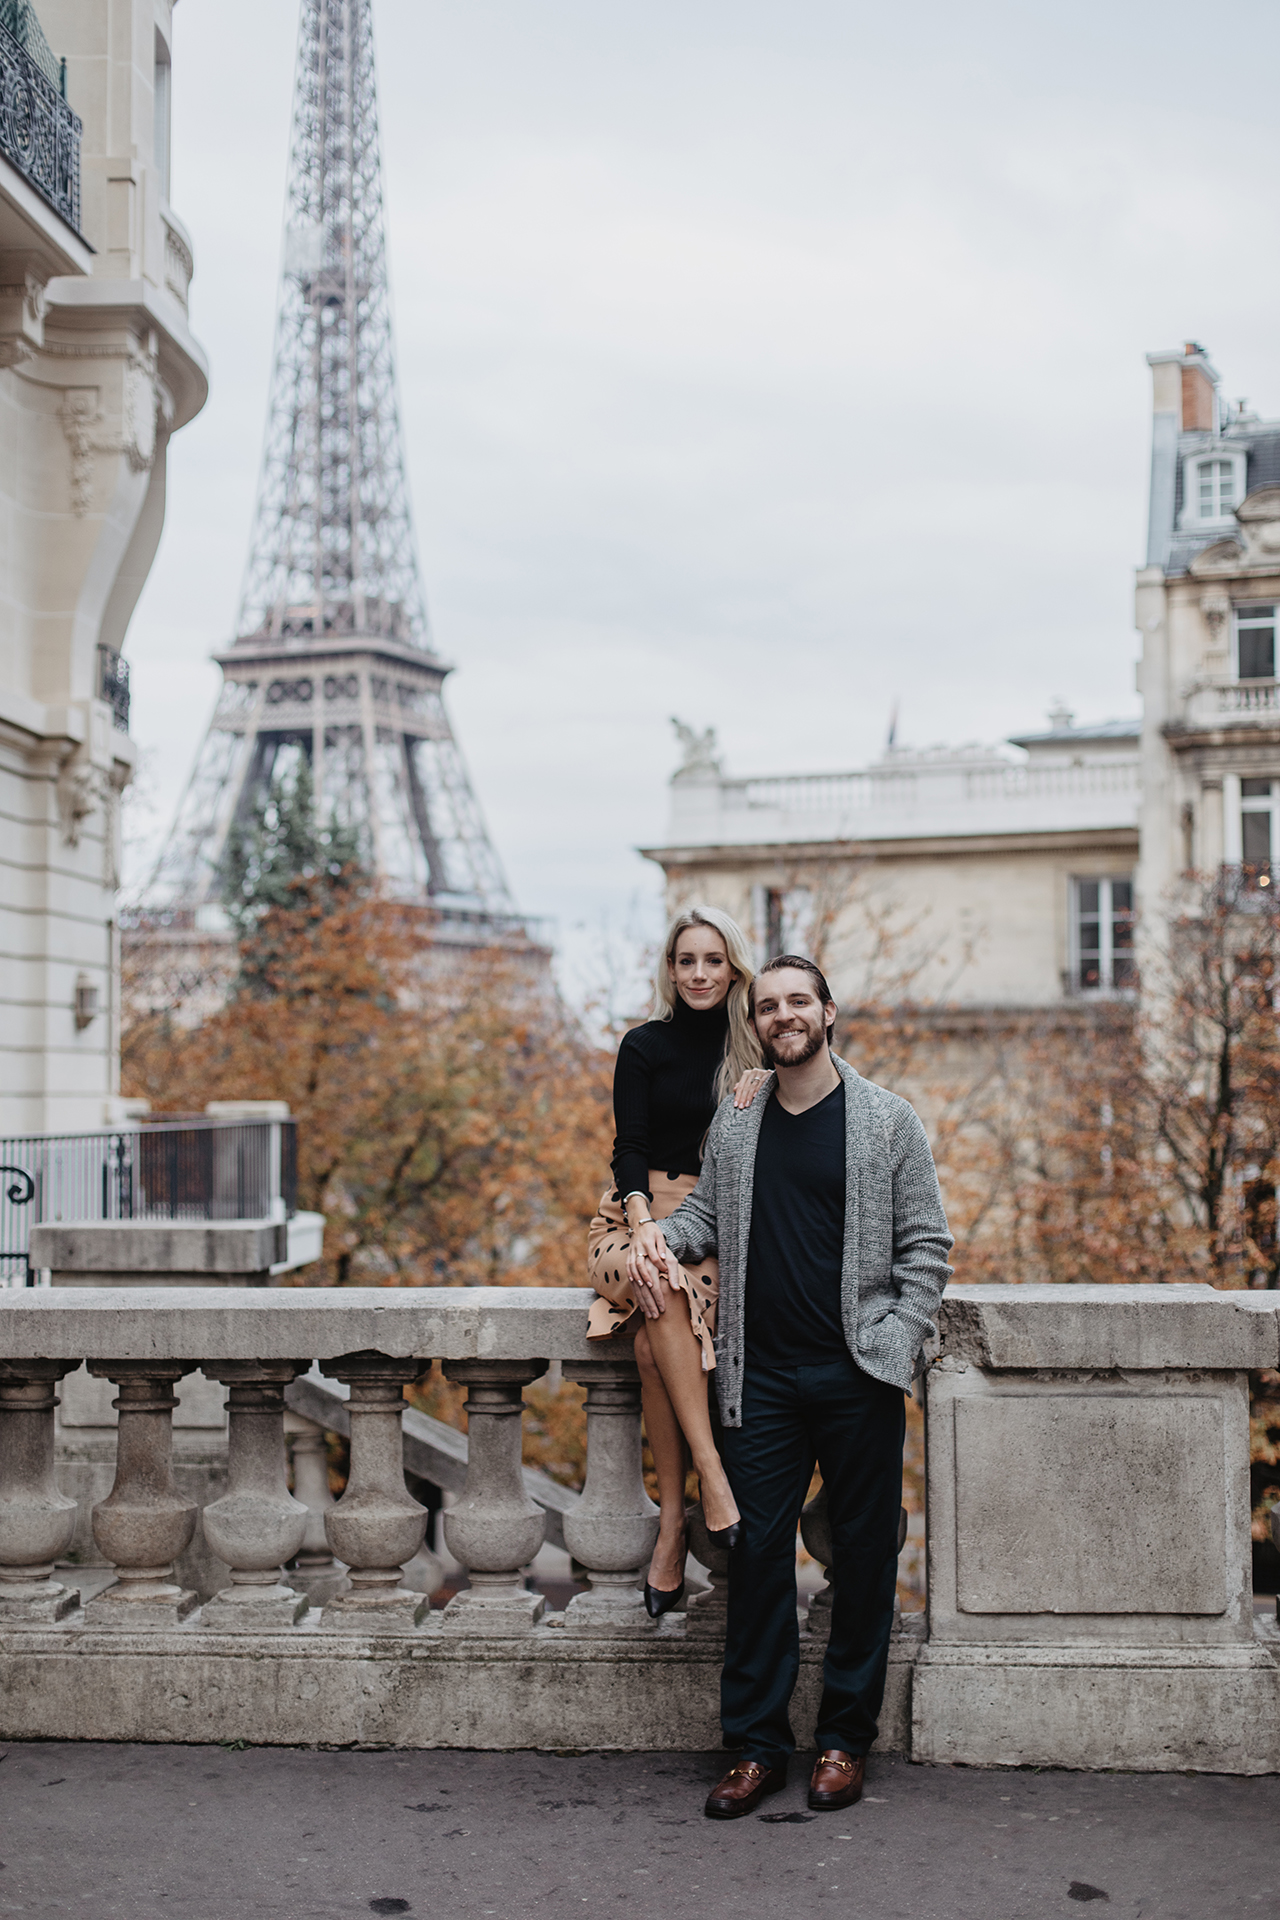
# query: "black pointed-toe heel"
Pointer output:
{"type": "Point", "coordinates": [656, 1602]}
{"type": "Point", "coordinates": [726, 1537]}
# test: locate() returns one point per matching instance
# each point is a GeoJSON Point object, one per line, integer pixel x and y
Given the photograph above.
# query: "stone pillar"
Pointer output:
{"type": "Point", "coordinates": [313, 1569]}
{"type": "Point", "coordinates": [257, 1524]}
{"type": "Point", "coordinates": [144, 1523]}
{"type": "Point", "coordinates": [707, 1613]}
{"type": "Point", "coordinates": [612, 1530]}
{"type": "Point", "coordinates": [37, 1522]}
{"type": "Point", "coordinates": [495, 1530]}
{"type": "Point", "coordinates": [1212, 826]}
{"type": "Point", "coordinates": [815, 1531]}
{"type": "Point", "coordinates": [377, 1525]}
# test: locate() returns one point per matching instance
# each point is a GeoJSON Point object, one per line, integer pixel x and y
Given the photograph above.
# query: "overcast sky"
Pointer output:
{"type": "Point", "coordinates": [764, 362]}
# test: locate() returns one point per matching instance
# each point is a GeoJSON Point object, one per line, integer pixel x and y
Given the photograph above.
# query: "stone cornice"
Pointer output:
{"type": "Point", "coordinates": [1123, 839]}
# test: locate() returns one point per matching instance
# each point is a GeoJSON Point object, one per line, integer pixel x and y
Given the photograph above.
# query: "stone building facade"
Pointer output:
{"type": "Point", "coordinates": [98, 368]}
{"type": "Point", "coordinates": [989, 879]}
{"type": "Point", "coordinates": [1207, 601]}
{"type": "Point", "coordinates": [1016, 879]}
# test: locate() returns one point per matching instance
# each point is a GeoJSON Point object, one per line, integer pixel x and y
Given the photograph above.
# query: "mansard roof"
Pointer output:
{"type": "Point", "coordinates": [1259, 440]}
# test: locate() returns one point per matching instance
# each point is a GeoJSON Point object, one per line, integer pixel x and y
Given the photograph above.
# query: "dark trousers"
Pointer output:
{"type": "Point", "coordinates": [853, 1427]}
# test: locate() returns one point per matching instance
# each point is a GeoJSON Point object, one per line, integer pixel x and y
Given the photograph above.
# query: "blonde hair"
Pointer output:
{"type": "Point", "coordinates": [741, 1048]}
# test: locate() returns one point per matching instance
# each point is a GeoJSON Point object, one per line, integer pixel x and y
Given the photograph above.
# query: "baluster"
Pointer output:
{"type": "Point", "coordinates": [37, 1522]}
{"type": "Point", "coordinates": [495, 1529]}
{"type": "Point", "coordinates": [612, 1530]}
{"type": "Point", "coordinates": [707, 1613]}
{"type": "Point", "coordinates": [144, 1523]}
{"type": "Point", "coordinates": [815, 1531]}
{"type": "Point", "coordinates": [377, 1525]}
{"type": "Point", "coordinates": [257, 1524]}
{"type": "Point", "coordinates": [313, 1570]}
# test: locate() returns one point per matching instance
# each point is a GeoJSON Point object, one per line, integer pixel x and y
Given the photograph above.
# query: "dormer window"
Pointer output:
{"type": "Point", "coordinates": [1213, 485]}
{"type": "Point", "coordinates": [1215, 489]}
{"type": "Point", "coordinates": [1256, 643]}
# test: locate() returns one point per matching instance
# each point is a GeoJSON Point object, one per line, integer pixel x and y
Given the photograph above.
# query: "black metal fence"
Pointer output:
{"type": "Point", "coordinates": [113, 685]}
{"type": "Point", "coordinates": [196, 1170]}
{"type": "Point", "coordinates": [39, 134]}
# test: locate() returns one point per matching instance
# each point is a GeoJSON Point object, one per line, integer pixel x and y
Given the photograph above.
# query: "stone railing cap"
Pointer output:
{"type": "Point", "coordinates": [1005, 1328]}
{"type": "Point", "coordinates": [1146, 1327]}
{"type": "Point", "coordinates": [285, 1323]}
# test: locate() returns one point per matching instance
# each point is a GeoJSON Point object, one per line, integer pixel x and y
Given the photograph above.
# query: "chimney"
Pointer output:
{"type": "Point", "coordinates": [1185, 384]}
{"type": "Point", "coordinates": [1199, 390]}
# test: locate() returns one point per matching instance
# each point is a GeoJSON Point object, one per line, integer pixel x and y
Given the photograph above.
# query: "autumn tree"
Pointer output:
{"type": "Point", "coordinates": [453, 1125]}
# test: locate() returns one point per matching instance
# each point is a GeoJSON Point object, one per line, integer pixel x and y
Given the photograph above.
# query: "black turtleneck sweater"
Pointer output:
{"type": "Point", "coordinates": [664, 1094]}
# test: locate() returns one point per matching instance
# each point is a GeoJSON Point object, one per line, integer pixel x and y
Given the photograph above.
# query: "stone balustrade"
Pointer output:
{"type": "Point", "coordinates": [1089, 1599]}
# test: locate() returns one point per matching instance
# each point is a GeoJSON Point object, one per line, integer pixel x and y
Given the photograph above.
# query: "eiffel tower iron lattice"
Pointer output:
{"type": "Point", "coordinates": [333, 658]}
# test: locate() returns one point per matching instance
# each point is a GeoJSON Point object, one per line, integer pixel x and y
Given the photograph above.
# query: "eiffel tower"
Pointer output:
{"type": "Point", "coordinates": [333, 658]}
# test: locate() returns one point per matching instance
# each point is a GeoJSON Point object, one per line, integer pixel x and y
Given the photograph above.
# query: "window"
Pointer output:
{"type": "Point", "coordinates": [782, 921]}
{"type": "Point", "coordinates": [1215, 489]}
{"type": "Point", "coordinates": [1256, 643]}
{"type": "Point", "coordinates": [1259, 803]}
{"type": "Point", "coordinates": [160, 82]}
{"type": "Point", "coordinates": [1103, 929]}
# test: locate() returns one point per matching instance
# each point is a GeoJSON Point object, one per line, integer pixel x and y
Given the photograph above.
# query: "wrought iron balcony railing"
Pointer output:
{"type": "Point", "coordinates": [113, 685]}
{"type": "Point", "coordinates": [39, 134]}
{"type": "Point", "coordinates": [196, 1170]}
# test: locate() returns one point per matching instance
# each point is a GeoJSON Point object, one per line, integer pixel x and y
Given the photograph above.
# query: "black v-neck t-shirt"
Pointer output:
{"type": "Point", "coordinates": [795, 1255]}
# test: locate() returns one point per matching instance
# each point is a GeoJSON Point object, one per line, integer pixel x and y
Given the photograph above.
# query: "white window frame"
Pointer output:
{"type": "Point", "coordinates": [1259, 803]}
{"type": "Point", "coordinates": [1106, 946]}
{"type": "Point", "coordinates": [1235, 639]}
{"type": "Point", "coordinates": [796, 916]}
{"type": "Point", "coordinates": [162, 133]}
{"type": "Point", "coordinates": [1189, 519]}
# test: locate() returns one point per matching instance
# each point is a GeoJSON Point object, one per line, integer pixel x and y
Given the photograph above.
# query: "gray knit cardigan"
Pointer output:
{"type": "Point", "coordinates": [895, 1232]}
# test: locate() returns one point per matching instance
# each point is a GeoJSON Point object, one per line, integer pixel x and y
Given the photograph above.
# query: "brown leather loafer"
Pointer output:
{"type": "Point", "coordinates": [742, 1790]}
{"type": "Point", "coordinates": [837, 1780]}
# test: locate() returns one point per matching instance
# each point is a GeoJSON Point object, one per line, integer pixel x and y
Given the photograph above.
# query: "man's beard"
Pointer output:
{"type": "Point", "coordinates": [813, 1044]}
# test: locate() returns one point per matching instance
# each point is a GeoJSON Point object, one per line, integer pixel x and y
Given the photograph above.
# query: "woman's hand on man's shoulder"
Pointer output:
{"type": "Point", "coordinates": [749, 1086]}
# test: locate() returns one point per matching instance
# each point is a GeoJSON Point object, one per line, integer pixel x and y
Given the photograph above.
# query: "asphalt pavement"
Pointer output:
{"type": "Point", "coordinates": [212, 1833]}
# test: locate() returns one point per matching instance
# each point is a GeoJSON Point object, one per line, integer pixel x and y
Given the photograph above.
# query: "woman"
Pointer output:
{"type": "Point", "coordinates": [696, 1046]}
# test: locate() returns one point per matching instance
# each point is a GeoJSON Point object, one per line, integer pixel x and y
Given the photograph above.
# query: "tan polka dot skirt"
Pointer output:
{"type": "Point", "coordinates": [615, 1313]}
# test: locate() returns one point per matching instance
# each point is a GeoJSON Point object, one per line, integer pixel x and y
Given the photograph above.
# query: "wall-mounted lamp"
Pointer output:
{"type": "Point", "coordinates": [86, 1002]}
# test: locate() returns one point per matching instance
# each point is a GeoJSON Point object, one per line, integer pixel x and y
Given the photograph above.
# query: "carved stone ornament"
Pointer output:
{"type": "Point", "coordinates": [80, 413]}
{"type": "Point", "coordinates": [141, 405]}
{"type": "Point", "coordinates": [1215, 606]}
{"type": "Point", "coordinates": [23, 306]}
{"type": "Point", "coordinates": [1224, 556]}
{"type": "Point", "coordinates": [144, 401]}
{"type": "Point", "coordinates": [79, 791]}
{"type": "Point", "coordinates": [700, 751]}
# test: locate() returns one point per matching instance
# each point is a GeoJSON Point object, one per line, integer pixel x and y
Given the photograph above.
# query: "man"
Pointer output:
{"type": "Point", "coordinates": [822, 1203]}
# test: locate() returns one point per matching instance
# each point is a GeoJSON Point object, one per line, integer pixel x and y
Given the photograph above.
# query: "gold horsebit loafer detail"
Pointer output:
{"type": "Point", "coordinates": [742, 1790]}
{"type": "Point", "coordinates": [837, 1780]}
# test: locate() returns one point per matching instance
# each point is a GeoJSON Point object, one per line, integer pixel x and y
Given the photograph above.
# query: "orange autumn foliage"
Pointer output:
{"type": "Point", "coordinates": [453, 1124]}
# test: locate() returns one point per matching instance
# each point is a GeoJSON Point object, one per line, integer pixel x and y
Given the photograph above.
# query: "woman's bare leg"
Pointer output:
{"type": "Point", "coordinates": [666, 1444]}
{"type": "Point", "coordinates": [678, 1353]}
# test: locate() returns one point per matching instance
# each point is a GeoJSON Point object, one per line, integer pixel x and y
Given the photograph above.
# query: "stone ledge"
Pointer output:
{"type": "Point", "coordinates": [109, 1252]}
{"type": "Point", "coordinates": [1145, 1709]}
{"type": "Point", "coordinates": [1005, 1328]}
{"type": "Point", "coordinates": [285, 1323]}
{"type": "Point", "coordinates": [418, 1690]}
{"type": "Point", "coordinates": [999, 1328]}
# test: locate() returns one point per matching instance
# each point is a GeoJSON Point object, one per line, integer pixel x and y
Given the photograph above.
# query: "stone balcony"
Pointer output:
{"type": "Point", "coordinates": [1089, 1535]}
{"type": "Point", "coordinates": [907, 798]}
{"type": "Point", "coordinates": [1216, 703]}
